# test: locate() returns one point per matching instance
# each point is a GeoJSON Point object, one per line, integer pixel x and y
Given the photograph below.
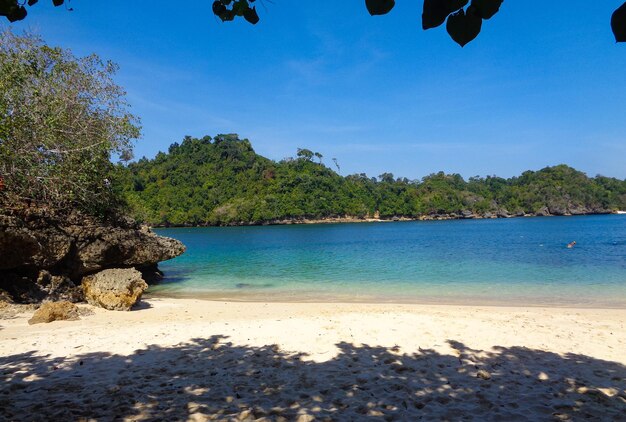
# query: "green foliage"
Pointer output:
{"type": "Point", "coordinates": [61, 119]}
{"type": "Point", "coordinates": [222, 181]}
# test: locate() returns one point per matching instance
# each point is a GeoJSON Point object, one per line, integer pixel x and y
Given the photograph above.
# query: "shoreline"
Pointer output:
{"type": "Point", "coordinates": [355, 220]}
{"type": "Point", "coordinates": [189, 359]}
{"type": "Point", "coordinates": [375, 300]}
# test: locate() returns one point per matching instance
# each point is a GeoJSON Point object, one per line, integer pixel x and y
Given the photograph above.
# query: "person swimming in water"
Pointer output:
{"type": "Point", "coordinates": [570, 245]}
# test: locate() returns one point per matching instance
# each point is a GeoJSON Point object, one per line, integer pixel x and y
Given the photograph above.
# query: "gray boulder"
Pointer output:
{"type": "Point", "coordinates": [116, 289]}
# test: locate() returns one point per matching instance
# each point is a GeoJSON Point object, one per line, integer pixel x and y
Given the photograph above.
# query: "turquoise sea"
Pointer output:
{"type": "Point", "coordinates": [519, 261]}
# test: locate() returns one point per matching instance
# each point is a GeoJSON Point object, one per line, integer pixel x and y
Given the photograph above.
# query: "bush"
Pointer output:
{"type": "Point", "coordinates": [61, 120]}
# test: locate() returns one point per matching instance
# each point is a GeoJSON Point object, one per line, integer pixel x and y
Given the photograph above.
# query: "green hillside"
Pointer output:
{"type": "Point", "coordinates": [221, 181]}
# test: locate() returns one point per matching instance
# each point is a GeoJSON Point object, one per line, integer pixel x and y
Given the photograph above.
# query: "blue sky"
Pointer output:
{"type": "Point", "coordinates": [542, 84]}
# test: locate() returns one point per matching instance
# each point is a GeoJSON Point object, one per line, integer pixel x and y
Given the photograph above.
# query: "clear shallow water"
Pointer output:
{"type": "Point", "coordinates": [504, 261]}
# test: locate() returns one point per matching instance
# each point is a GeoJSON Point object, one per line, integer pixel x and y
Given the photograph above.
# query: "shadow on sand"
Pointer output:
{"type": "Point", "coordinates": [212, 378]}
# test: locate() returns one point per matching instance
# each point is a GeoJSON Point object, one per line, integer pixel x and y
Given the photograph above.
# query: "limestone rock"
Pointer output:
{"type": "Point", "coordinates": [28, 243]}
{"type": "Point", "coordinates": [55, 311]}
{"type": "Point", "coordinates": [116, 289]}
{"type": "Point", "coordinates": [557, 209]}
{"type": "Point", "coordinates": [578, 210]}
{"type": "Point", "coordinates": [106, 247]}
{"type": "Point", "coordinates": [543, 212]}
{"type": "Point", "coordinates": [503, 213]}
{"type": "Point", "coordinates": [77, 245]}
{"type": "Point", "coordinates": [5, 298]}
{"type": "Point", "coordinates": [44, 256]}
{"type": "Point", "coordinates": [59, 287]}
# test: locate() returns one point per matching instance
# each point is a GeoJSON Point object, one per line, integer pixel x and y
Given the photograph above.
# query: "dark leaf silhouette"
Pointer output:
{"type": "Point", "coordinates": [218, 8]}
{"type": "Point", "coordinates": [240, 7]}
{"type": "Point", "coordinates": [222, 12]}
{"type": "Point", "coordinates": [379, 7]}
{"type": "Point", "coordinates": [486, 8]}
{"type": "Point", "coordinates": [435, 12]}
{"type": "Point", "coordinates": [618, 23]}
{"type": "Point", "coordinates": [251, 16]}
{"type": "Point", "coordinates": [464, 27]}
{"type": "Point", "coordinates": [15, 13]}
{"type": "Point", "coordinates": [14, 10]}
{"type": "Point", "coordinates": [227, 16]}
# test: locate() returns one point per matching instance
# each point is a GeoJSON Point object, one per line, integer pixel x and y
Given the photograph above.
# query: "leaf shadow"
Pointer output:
{"type": "Point", "coordinates": [214, 379]}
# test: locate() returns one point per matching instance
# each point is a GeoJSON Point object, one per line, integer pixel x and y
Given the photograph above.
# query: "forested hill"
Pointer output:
{"type": "Point", "coordinates": [221, 180]}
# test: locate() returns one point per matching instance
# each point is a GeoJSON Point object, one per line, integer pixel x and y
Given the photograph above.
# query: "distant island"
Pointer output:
{"type": "Point", "coordinates": [222, 181]}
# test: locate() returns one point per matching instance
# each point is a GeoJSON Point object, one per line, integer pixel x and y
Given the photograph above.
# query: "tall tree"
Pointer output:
{"type": "Point", "coordinates": [61, 120]}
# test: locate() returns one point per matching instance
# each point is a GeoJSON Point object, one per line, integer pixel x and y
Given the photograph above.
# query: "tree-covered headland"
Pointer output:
{"type": "Point", "coordinates": [222, 181]}
{"type": "Point", "coordinates": [62, 119]}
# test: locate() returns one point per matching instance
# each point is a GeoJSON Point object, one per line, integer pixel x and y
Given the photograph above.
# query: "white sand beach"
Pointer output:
{"type": "Point", "coordinates": [184, 359]}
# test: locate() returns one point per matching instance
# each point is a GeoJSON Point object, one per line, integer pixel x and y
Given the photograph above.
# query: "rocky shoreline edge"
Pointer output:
{"type": "Point", "coordinates": [463, 215]}
{"type": "Point", "coordinates": [71, 258]}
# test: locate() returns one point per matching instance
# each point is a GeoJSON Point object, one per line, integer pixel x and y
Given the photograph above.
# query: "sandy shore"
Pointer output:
{"type": "Point", "coordinates": [183, 359]}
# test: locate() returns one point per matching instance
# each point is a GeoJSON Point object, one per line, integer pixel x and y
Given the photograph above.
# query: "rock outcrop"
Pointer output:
{"type": "Point", "coordinates": [46, 256]}
{"type": "Point", "coordinates": [114, 289]}
{"type": "Point", "coordinates": [55, 311]}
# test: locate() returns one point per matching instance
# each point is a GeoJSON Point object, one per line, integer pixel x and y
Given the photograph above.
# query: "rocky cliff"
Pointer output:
{"type": "Point", "coordinates": [45, 256]}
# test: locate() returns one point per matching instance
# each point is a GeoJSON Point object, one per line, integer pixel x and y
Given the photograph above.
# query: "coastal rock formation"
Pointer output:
{"type": "Point", "coordinates": [45, 256]}
{"type": "Point", "coordinates": [58, 287]}
{"type": "Point", "coordinates": [114, 289]}
{"type": "Point", "coordinates": [503, 213]}
{"type": "Point", "coordinates": [5, 298]}
{"type": "Point", "coordinates": [55, 311]}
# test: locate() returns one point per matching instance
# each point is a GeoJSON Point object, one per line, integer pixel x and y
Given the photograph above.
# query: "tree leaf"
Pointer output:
{"type": "Point", "coordinates": [218, 8]}
{"type": "Point", "coordinates": [464, 27]}
{"type": "Point", "coordinates": [32, 2]}
{"type": "Point", "coordinates": [57, 2]}
{"type": "Point", "coordinates": [17, 14]}
{"type": "Point", "coordinates": [435, 12]}
{"type": "Point", "coordinates": [240, 7]}
{"type": "Point", "coordinates": [227, 16]}
{"type": "Point", "coordinates": [379, 7]}
{"type": "Point", "coordinates": [618, 23]}
{"type": "Point", "coordinates": [486, 8]}
{"type": "Point", "coordinates": [251, 16]}
{"type": "Point", "coordinates": [7, 6]}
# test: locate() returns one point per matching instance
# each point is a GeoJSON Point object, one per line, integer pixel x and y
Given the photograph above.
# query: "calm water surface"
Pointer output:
{"type": "Point", "coordinates": [504, 261]}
